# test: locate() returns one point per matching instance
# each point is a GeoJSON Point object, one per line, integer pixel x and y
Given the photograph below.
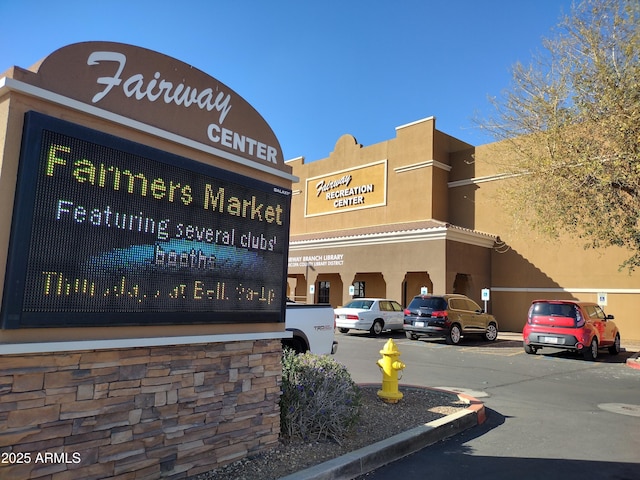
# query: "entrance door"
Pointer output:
{"type": "Point", "coordinates": [324, 290]}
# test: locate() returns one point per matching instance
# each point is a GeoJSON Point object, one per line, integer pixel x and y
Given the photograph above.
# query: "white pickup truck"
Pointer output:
{"type": "Point", "coordinates": [313, 328]}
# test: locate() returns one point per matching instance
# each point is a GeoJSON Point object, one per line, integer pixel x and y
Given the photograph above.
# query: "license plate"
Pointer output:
{"type": "Point", "coordinates": [550, 339]}
{"type": "Point", "coordinates": [419, 324]}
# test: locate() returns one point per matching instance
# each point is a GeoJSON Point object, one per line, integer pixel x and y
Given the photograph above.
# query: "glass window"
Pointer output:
{"type": "Point", "coordinates": [455, 304]}
{"type": "Point", "coordinates": [428, 303]}
{"type": "Point", "coordinates": [358, 289]}
{"type": "Point", "coordinates": [362, 304]}
{"type": "Point", "coordinates": [554, 309]}
{"type": "Point", "coordinates": [472, 306]}
{"type": "Point", "coordinates": [323, 292]}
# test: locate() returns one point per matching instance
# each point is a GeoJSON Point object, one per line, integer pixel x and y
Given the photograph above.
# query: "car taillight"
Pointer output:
{"type": "Point", "coordinates": [407, 311]}
{"type": "Point", "coordinates": [352, 317]}
{"type": "Point", "coordinates": [579, 318]}
{"type": "Point", "coordinates": [439, 314]}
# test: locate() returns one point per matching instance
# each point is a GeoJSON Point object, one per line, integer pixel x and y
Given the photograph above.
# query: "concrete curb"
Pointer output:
{"type": "Point", "coordinates": [398, 446]}
{"type": "Point", "coordinates": [634, 361]}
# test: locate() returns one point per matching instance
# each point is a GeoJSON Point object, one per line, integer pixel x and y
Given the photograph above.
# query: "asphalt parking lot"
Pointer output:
{"type": "Point", "coordinates": [508, 344]}
{"type": "Point", "coordinates": [552, 410]}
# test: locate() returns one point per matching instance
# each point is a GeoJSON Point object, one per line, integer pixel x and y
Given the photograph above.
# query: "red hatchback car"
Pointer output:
{"type": "Point", "coordinates": [575, 326]}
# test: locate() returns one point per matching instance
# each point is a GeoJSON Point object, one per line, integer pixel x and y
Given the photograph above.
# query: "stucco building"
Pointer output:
{"type": "Point", "coordinates": [422, 210]}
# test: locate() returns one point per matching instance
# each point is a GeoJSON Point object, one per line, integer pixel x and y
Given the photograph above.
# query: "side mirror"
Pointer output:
{"type": "Point", "coordinates": [610, 317]}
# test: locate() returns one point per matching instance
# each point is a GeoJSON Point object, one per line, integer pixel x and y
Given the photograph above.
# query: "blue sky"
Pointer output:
{"type": "Point", "coordinates": [314, 70]}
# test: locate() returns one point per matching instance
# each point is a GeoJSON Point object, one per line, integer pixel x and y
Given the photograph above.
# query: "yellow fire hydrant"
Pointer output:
{"type": "Point", "coordinates": [390, 365]}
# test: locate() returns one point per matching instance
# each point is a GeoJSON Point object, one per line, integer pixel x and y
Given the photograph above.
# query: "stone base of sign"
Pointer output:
{"type": "Point", "coordinates": [155, 411]}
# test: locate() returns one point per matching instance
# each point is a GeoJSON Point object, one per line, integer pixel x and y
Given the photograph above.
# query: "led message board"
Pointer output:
{"type": "Point", "coordinates": [110, 232]}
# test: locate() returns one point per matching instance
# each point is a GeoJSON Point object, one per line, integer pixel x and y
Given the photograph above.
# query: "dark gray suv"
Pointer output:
{"type": "Point", "coordinates": [449, 316]}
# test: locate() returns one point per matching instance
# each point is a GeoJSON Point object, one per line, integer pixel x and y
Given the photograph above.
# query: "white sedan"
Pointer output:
{"type": "Point", "coordinates": [373, 314]}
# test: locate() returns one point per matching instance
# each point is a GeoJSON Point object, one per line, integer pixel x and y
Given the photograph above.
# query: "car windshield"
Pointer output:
{"type": "Point", "coordinates": [362, 304]}
{"type": "Point", "coordinates": [428, 303]}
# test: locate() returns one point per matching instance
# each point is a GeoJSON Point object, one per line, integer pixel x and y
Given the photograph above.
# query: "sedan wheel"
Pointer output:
{"type": "Point", "coordinates": [454, 335]}
{"type": "Point", "coordinates": [530, 349]}
{"type": "Point", "coordinates": [492, 332]}
{"type": "Point", "coordinates": [411, 335]}
{"type": "Point", "coordinates": [376, 328]}
{"type": "Point", "coordinates": [343, 330]}
{"type": "Point", "coordinates": [591, 353]}
{"type": "Point", "coordinates": [615, 348]}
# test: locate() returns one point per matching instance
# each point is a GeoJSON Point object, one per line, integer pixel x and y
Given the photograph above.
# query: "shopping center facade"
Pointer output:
{"type": "Point", "coordinates": [423, 211]}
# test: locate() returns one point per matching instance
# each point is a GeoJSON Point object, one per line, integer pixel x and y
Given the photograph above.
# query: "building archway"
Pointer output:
{"type": "Point", "coordinates": [462, 284]}
{"type": "Point", "coordinates": [297, 288]}
{"type": "Point", "coordinates": [328, 289]}
{"type": "Point", "coordinates": [369, 285]}
{"type": "Point", "coordinates": [412, 285]}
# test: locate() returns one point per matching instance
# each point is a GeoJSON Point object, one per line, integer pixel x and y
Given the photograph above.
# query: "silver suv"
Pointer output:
{"type": "Point", "coordinates": [449, 316]}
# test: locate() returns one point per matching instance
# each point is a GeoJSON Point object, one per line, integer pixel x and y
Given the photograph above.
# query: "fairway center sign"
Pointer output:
{"type": "Point", "coordinates": [161, 91]}
{"type": "Point", "coordinates": [110, 232]}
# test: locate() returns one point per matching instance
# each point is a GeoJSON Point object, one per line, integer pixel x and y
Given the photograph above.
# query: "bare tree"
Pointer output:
{"type": "Point", "coordinates": [570, 126]}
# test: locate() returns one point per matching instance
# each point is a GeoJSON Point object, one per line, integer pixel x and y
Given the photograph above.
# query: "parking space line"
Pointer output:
{"type": "Point", "coordinates": [484, 350]}
{"type": "Point", "coordinates": [492, 351]}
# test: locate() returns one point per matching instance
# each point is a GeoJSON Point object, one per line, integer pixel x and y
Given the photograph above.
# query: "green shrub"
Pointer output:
{"type": "Point", "coordinates": [319, 398]}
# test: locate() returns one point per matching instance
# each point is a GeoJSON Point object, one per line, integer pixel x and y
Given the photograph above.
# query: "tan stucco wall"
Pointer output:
{"type": "Point", "coordinates": [392, 260]}
{"type": "Point", "coordinates": [418, 171]}
{"type": "Point", "coordinates": [433, 176]}
{"type": "Point", "coordinates": [526, 260]}
{"type": "Point", "coordinates": [414, 192]}
{"type": "Point", "coordinates": [9, 152]}
{"type": "Point", "coordinates": [469, 260]}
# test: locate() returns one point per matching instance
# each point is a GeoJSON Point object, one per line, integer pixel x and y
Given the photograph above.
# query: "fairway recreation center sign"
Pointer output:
{"type": "Point", "coordinates": [352, 189]}
{"type": "Point", "coordinates": [110, 232]}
